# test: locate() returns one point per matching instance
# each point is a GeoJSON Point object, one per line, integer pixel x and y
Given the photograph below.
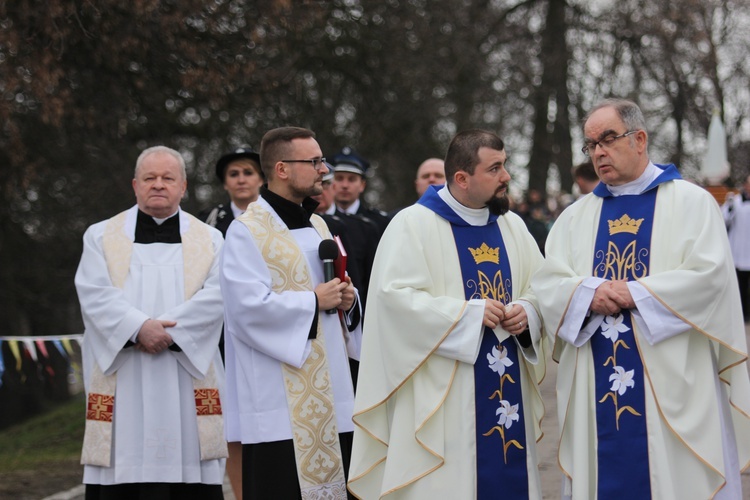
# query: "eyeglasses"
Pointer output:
{"type": "Point", "coordinates": [315, 162]}
{"type": "Point", "coordinates": [607, 142]}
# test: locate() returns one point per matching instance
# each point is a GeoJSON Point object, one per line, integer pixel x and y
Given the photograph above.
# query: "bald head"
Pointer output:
{"type": "Point", "coordinates": [429, 173]}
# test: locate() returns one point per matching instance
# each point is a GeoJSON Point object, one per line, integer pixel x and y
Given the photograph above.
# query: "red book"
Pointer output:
{"type": "Point", "coordinates": [339, 263]}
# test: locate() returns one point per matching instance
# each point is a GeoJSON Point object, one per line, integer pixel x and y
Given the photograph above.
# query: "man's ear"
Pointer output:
{"type": "Point", "coordinates": [281, 170]}
{"type": "Point", "coordinates": [641, 140]}
{"type": "Point", "coordinates": [460, 179]}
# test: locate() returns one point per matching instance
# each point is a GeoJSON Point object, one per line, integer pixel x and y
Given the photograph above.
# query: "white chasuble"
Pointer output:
{"type": "Point", "coordinates": [690, 376]}
{"type": "Point", "coordinates": [415, 434]}
{"type": "Point", "coordinates": [151, 417]}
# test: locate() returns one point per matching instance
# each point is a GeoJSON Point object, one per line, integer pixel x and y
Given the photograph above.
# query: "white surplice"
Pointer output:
{"type": "Point", "coordinates": [154, 426]}
{"type": "Point", "coordinates": [264, 329]}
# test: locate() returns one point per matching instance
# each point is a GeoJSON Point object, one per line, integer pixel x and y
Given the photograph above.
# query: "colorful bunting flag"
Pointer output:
{"type": "Point", "coordinates": [35, 349]}
{"type": "Point", "coordinates": [2, 364]}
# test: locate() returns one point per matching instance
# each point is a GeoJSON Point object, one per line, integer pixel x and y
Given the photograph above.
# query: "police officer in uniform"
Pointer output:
{"type": "Point", "coordinates": [327, 210]}
{"type": "Point", "coordinates": [240, 174]}
{"type": "Point", "coordinates": [338, 225]}
{"type": "Point", "coordinates": [350, 170]}
{"type": "Point", "coordinates": [364, 225]}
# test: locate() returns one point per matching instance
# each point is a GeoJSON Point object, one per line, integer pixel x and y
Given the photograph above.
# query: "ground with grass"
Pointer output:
{"type": "Point", "coordinates": [40, 456]}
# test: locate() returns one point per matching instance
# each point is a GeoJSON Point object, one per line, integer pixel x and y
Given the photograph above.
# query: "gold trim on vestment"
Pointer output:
{"type": "Point", "coordinates": [309, 393]}
{"type": "Point", "coordinates": [197, 256]}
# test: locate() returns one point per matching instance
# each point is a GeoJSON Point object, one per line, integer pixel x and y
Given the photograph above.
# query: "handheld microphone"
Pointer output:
{"type": "Point", "coordinates": [328, 251]}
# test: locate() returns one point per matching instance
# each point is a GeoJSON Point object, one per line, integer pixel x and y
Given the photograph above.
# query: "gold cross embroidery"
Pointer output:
{"type": "Point", "coordinates": [100, 407]}
{"type": "Point", "coordinates": [207, 402]}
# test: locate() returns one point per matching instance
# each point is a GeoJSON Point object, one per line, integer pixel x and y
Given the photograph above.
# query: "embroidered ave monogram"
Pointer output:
{"type": "Point", "coordinates": [622, 253]}
{"type": "Point", "coordinates": [500, 428]}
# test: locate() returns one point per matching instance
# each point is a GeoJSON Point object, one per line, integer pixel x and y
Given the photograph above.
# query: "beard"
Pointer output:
{"type": "Point", "coordinates": [498, 205]}
{"type": "Point", "coordinates": [303, 191]}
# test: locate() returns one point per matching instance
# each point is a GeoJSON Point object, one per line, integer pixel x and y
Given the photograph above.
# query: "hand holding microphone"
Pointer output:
{"type": "Point", "coordinates": [329, 293]}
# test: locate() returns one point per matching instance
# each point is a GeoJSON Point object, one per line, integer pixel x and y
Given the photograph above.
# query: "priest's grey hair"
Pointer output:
{"type": "Point", "coordinates": [160, 149]}
{"type": "Point", "coordinates": [629, 112]}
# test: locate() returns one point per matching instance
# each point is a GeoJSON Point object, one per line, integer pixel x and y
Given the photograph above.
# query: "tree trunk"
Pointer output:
{"type": "Point", "coordinates": [551, 139]}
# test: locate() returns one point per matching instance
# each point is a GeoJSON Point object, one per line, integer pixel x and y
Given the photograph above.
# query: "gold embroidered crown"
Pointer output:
{"type": "Point", "coordinates": [485, 254]}
{"type": "Point", "coordinates": [624, 225]}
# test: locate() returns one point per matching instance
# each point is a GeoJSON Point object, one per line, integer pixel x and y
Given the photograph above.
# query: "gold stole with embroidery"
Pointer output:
{"type": "Point", "coordinates": [197, 257]}
{"type": "Point", "coordinates": [309, 394]}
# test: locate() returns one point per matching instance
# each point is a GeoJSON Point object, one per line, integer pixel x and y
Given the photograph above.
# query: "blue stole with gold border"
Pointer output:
{"type": "Point", "coordinates": [500, 426]}
{"type": "Point", "coordinates": [622, 252]}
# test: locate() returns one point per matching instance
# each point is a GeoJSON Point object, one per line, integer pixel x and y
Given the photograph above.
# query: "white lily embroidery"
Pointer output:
{"type": "Point", "coordinates": [621, 380]}
{"type": "Point", "coordinates": [508, 414]}
{"type": "Point", "coordinates": [498, 360]}
{"type": "Point", "coordinates": [613, 326]}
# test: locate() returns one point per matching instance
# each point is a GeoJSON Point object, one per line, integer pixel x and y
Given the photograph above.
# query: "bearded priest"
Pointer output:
{"type": "Point", "coordinates": [448, 403]}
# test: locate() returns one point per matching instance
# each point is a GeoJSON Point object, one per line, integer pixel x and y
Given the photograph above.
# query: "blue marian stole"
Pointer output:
{"type": "Point", "coordinates": [623, 251]}
{"type": "Point", "coordinates": [500, 427]}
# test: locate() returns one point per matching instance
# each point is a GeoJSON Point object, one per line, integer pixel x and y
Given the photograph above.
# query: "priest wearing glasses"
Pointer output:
{"type": "Point", "coordinates": [290, 329]}
{"type": "Point", "coordinates": [639, 297]}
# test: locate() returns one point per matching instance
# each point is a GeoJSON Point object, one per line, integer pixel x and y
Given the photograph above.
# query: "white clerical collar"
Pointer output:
{"type": "Point", "coordinates": [640, 184]}
{"type": "Point", "coordinates": [161, 221]}
{"type": "Point", "coordinates": [236, 211]}
{"type": "Point", "coordinates": [352, 209]}
{"type": "Point", "coordinates": [474, 216]}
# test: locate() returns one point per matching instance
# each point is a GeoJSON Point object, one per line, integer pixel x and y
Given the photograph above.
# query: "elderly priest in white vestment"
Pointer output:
{"type": "Point", "coordinates": [148, 284]}
{"type": "Point", "coordinates": [639, 295]}
{"type": "Point", "coordinates": [448, 404]}
{"type": "Point", "coordinates": [290, 328]}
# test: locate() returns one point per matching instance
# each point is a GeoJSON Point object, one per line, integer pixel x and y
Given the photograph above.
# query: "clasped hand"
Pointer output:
{"type": "Point", "coordinates": [335, 294]}
{"type": "Point", "coordinates": [611, 297]}
{"type": "Point", "coordinates": [153, 337]}
{"type": "Point", "coordinates": [512, 318]}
